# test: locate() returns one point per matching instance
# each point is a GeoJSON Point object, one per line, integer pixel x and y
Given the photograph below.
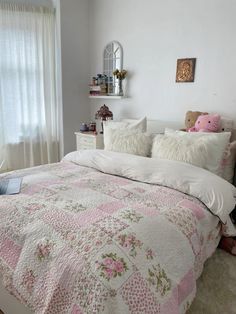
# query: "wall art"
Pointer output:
{"type": "Point", "coordinates": [185, 70]}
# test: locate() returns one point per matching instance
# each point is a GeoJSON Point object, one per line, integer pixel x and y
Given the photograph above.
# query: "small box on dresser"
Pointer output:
{"type": "Point", "coordinates": [89, 140]}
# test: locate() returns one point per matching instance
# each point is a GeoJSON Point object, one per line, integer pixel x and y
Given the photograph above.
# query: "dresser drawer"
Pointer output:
{"type": "Point", "coordinates": [86, 146]}
{"type": "Point", "coordinates": [88, 141]}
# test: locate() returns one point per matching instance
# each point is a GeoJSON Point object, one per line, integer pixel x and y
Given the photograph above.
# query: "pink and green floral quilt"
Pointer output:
{"type": "Point", "coordinates": [76, 240]}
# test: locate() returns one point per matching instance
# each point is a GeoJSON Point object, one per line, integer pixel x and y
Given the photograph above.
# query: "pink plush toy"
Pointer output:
{"type": "Point", "coordinates": [206, 123]}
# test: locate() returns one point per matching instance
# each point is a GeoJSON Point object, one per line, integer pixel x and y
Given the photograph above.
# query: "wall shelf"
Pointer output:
{"type": "Point", "coordinates": [106, 97]}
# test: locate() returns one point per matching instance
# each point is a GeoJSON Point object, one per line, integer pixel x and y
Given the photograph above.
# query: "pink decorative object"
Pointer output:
{"type": "Point", "coordinates": [207, 123]}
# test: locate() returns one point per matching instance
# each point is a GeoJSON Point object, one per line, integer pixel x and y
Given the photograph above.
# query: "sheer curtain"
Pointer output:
{"type": "Point", "coordinates": [29, 115]}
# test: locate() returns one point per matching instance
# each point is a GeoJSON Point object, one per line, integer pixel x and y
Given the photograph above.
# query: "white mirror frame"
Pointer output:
{"type": "Point", "coordinates": [112, 60]}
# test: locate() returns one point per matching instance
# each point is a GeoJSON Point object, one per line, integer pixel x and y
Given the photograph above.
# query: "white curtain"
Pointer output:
{"type": "Point", "coordinates": [29, 115]}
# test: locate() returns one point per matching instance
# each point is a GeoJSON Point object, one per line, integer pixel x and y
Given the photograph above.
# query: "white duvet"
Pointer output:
{"type": "Point", "coordinates": [216, 193]}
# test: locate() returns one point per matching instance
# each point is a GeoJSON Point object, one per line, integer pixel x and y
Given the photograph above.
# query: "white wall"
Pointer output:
{"type": "Point", "coordinates": [154, 34]}
{"type": "Point", "coordinates": [75, 67]}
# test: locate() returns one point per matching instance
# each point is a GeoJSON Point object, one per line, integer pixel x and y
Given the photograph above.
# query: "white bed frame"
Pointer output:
{"type": "Point", "coordinates": [8, 303]}
{"type": "Point", "coordinates": [158, 126]}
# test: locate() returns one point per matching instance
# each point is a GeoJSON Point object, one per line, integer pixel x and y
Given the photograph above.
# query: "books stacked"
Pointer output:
{"type": "Point", "coordinates": [99, 85]}
{"type": "Point", "coordinates": [94, 90]}
{"type": "Point", "coordinates": [97, 90]}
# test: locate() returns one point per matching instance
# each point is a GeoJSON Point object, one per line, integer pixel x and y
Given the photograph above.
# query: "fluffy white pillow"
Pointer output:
{"type": "Point", "coordinates": [215, 145]}
{"type": "Point", "coordinates": [228, 164]}
{"type": "Point", "coordinates": [127, 141]}
{"type": "Point", "coordinates": [228, 167]}
{"type": "Point", "coordinates": [140, 125]}
{"type": "Point", "coordinates": [180, 149]}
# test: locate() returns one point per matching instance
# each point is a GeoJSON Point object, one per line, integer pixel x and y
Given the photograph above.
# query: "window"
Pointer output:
{"type": "Point", "coordinates": [28, 107]}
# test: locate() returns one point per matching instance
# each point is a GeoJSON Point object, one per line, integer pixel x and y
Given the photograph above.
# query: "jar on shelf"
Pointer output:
{"type": "Point", "coordinates": [92, 126]}
{"type": "Point", "coordinates": [84, 127]}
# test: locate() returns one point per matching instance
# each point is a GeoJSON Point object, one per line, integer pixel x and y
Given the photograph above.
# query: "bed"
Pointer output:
{"type": "Point", "coordinates": [95, 234]}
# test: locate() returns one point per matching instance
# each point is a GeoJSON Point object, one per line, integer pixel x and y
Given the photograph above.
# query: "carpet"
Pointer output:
{"type": "Point", "coordinates": [216, 288]}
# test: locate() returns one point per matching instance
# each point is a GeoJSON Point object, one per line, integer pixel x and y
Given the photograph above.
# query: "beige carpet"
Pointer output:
{"type": "Point", "coordinates": [216, 288]}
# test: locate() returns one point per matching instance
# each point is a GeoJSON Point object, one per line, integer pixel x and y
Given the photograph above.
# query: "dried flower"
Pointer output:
{"type": "Point", "coordinates": [120, 74]}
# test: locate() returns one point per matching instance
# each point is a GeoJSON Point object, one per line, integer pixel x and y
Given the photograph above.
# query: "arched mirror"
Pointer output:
{"type": "Point", "coordinates": [112, 60]}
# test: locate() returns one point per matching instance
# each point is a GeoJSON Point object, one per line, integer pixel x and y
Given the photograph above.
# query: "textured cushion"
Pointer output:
{"type": "Point", "coordinates": [227, 162]}
{"type": "Point", "coordinates": [204, 150]}
{"type": "Point", "coordinates": [127, 141]}
{"type": "Point", "coordinates": [180, 149]}
{"type": "Point", "coordinates": [139, 125]}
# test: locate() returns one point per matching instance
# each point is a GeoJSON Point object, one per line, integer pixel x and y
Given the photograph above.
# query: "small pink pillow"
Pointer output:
{"type": "Point", "coordinates": [207, 123]}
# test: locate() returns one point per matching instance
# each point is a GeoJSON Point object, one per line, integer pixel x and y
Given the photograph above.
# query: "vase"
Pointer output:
{"type": "Point", "coordinates": [119, 88]}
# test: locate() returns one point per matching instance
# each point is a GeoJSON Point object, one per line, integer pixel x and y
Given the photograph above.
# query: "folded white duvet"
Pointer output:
{"type": "Point", "coordinates": [216, 193]}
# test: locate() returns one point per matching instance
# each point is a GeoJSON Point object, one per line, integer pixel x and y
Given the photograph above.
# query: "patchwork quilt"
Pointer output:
{"type": "Point", "coordinates": [76, 240]}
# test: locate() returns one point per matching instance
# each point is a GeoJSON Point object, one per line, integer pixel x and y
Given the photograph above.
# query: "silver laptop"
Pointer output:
{"type": "Point", "coordinates": [10, 186]}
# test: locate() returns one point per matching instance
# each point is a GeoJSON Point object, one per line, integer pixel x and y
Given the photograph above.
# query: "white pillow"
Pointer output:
{"type": "Point", "coordinates": [228, 164]}
{"type": "Point", "coordinates": [127, 141]}
{"type": "Point", "coordinates": [228, 167]}
{"type": "Point", "coordinates": [215, 145]}
{"type": "Point", "coordinates": [140, 125]}
{"type": "Point", "coordinates": [180, 149]}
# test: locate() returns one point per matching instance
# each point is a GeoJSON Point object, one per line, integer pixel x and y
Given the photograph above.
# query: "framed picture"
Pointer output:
{"type": "Point", "coordinates": [185, 70]}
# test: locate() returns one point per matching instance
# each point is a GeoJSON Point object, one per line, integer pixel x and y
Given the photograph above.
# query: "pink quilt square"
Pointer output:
{"type": "Point", "coordinates": [186, 286]}
{"type": "Point", "coordinates": [147, 211]}
{"type": "Point", "coordinates": [61, 220]}
{"type": "Point", "coordinates": [137, 295]}
{"type": "Point", "coordinates": [10, 252]}
{"type": "Point", "coordinates": [111, 207]}
{"type": "Point", "coordinates": [171, 305]}
{"type": "Point", "coordinates": [90, 216]}
{"type": "Point", "coordinates": [197, 209]}
{"type": "Point", "coordinates": [66, 220]}
{"type": "Point", "coordinates": [76, 310]}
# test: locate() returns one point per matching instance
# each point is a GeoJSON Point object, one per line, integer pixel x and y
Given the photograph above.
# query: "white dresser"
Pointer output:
{"type": "Point", "coordinates": [89, 140]}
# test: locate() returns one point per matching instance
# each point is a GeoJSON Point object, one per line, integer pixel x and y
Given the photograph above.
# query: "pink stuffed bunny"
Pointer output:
{"type": "Point", "coordinates": [206, 123]}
